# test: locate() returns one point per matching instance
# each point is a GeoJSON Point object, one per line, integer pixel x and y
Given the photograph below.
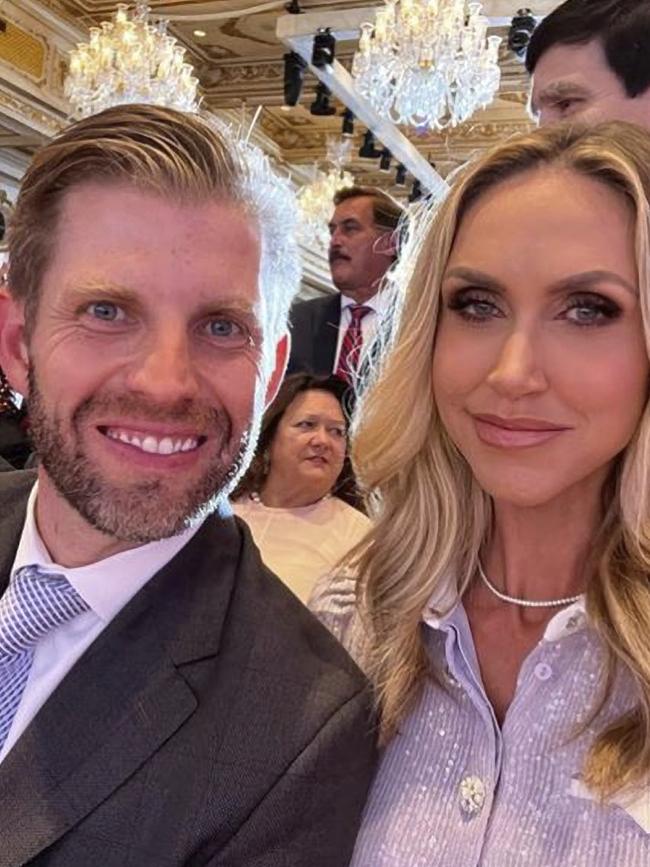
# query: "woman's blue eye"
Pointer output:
{"type": "Point", "coordinates": [592, 310]}
{"type": "Point", "coordinates": [104, 310]}
{"type": "Point", "coordinates": [472, 306]}
{"type": "Point", "coordinates": [480, 309]}
{"type": "Point", "coordinates": [583, 315]}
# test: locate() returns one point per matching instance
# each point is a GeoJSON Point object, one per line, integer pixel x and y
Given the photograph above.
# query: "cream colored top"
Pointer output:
{"type": "Point", "coordinates": [302, 545]}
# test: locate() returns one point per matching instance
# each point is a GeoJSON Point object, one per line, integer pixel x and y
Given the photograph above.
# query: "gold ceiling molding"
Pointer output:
{"type": "Point", "coordinates": [101, 7]}
{"type": "Point", "coordinates": [30, 115]}
{"type": "Point", "coordinates": [476, 133]}
{"type": "Point", "coordinates": [227, 85]}
{"type": "Point", "coordinates": [58, 72]}
{"type": "Point", "coordinates": [519, 97]}
{"type": "Point", "coordinates": [453, 147]}
{"type": "Point", "coordinates": [242, 73]}
{"type": "Point", "coordinates": [23, 51]}
{"type": "Point", "coordinates": [58, 8]}
{"type": "Point", "coordinates": [239, 60]}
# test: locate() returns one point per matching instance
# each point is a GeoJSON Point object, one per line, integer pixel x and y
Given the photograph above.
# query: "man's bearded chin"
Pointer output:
{"type": "Point", "coordinates": [136, 512]}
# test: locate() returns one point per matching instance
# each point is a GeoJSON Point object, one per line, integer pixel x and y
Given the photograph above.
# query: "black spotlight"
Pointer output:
{"type": "Point", "coordinates": [293, 8]}
{"type": "Point", "coordinates": [321, 105]}
{"type": "Point", "coordinates": [400, 175]}
{"type": "Point", "coordinates": [521, 29]}
{"type": "Point", "coordinates": [324, 48]}
{"type": "Point", "coordinates": [416, 191]}
{"type": "Point", "coordinates": [294, 73]}
{"type": "Point", "coordinates": [384, 161]}
{"type": "Point", "coordinates": [347, 128]}
{"type": "Point", "coordinates": [368, 150]}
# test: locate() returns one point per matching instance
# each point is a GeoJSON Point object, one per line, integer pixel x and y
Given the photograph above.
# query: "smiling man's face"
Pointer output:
{"type": "Point", "coordinates": [142, 371]}
{"type": "Point", "coordinates": [575, 82]}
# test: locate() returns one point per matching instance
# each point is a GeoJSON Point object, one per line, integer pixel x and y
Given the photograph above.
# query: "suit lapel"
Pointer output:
{"type": "Point", "coordinates": [120, 702]}
{"type": "Point", "coordinates": [14, 491]}
{"type": "Point", "coordinates": [326, 332]}
{"type": "Point", "coordinates": [98, 727]}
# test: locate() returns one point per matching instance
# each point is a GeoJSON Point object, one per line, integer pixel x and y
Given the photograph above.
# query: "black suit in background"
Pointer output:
{"type": "Point", "coordinates": [213, 722]}
{"type": "Point", "coordinates": [314, 335]}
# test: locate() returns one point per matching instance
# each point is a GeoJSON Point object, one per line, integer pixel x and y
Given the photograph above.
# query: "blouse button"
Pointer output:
{"type": "Point", "coordinates": [574, 623]}
{"type": "Point", "coordinates": [543, 671]}
{"type": "Point", "coordinates": [472, 796]}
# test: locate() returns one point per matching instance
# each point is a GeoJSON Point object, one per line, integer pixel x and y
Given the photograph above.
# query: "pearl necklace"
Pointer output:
{"type": "Point", "coordinates": [256, 498]}
{"type": "Point", "coordinates": [527, 603]}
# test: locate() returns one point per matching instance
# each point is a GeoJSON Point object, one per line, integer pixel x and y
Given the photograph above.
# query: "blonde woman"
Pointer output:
{"type": "Point", "coordinates": [503, 605]}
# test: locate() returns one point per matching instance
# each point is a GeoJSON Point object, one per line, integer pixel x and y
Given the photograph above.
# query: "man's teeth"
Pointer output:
{"type": "Point", "coordinates": [154, 445]}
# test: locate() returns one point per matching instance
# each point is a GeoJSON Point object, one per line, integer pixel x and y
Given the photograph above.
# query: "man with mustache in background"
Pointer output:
{"type": "Point", "coordinates": [328, 333]}
{"type": "Point", "coordinates": [164, 700]}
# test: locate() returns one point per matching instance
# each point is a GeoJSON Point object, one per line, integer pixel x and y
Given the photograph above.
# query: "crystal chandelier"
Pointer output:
{"type": "Point", "coordinates": [427, 63]}
{"type": "Point", "coordinates": [130, 60]}
{"type": "Point", "coordinates": [315, 200]}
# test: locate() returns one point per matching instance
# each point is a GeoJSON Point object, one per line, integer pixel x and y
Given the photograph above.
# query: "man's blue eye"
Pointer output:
{"type": "Point", "coordinates": [225, 328]}
{"type": "Point", "coordinates": [104, 310]}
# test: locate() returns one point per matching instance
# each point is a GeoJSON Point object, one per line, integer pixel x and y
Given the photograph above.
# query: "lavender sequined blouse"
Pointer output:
{"type": "Point", "coordinates": [455, 789]}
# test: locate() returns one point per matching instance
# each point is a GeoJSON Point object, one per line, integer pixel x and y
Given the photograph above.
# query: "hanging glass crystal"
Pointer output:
{"type": "Point", "coordinates": [427, 63]}
{"type": "Point", "coordinates": [316, 199]}
{"type": "Point", "coordinates": [130, 60]}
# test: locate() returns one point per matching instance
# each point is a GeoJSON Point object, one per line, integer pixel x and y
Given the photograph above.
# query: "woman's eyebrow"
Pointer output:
{"type": "Point", "coordinates": [586, 280]}
{"type": "Point", "coordinates": [471, 275]}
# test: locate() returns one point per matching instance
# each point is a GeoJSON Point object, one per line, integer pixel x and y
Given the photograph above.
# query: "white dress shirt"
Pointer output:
{"type": "Point", "coordinates": [378, 305]}
{"type": "Point", "coordinates": [106, 586]}
{"type": "Point", "coordinates": [303, 544]}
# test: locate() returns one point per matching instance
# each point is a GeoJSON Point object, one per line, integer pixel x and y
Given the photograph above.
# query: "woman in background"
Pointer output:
{"type": "Point", "coordinates": [297, 495]}
{"type": "Point", "coordinates": [503, 601]}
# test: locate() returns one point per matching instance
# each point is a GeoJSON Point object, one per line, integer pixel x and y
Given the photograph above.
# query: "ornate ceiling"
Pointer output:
{"type": "Point", "coordinates": [239, 60]}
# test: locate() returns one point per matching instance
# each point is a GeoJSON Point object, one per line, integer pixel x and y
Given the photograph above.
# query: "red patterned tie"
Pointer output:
{"type": "Point", "coordinates": [352, 342]}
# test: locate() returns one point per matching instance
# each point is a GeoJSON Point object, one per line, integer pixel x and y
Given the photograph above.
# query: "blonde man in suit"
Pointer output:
{"type": "Point", "coordinates": [163, 699]}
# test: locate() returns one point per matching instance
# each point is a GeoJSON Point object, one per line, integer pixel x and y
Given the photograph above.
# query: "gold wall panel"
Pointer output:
{"type": "Point", "coordinates": [23, 51]}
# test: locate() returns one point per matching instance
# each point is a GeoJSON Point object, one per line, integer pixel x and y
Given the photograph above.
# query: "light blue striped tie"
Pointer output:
{"type": "Point", "coordinates": [34, 603]}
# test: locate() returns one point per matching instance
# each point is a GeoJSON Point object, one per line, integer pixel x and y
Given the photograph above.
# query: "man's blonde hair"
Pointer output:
{"type": "Point", "coordinates": [160, 150]}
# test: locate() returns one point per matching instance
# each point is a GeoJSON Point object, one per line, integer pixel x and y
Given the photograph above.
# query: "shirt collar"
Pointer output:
{"type": "Point", "coordinates": [571, 619]}
{"type": "Point", "coordinates": [378, 303]}
{"type": "Point", "coordinates": [442, 605]}
{"type": "Point", "coordinates": [442, 610]}
{"type": "Point", "coordinates": [110, 583]}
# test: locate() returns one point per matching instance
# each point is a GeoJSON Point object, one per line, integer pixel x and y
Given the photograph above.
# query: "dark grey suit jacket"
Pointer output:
{"type": "Point", "coordinates": [213, 722]}
{"type": "Point", "coordinates": [314, 335]}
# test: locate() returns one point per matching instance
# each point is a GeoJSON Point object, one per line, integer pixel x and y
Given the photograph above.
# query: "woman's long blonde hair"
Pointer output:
{"type": "Point", "coordinates": [431, 515]}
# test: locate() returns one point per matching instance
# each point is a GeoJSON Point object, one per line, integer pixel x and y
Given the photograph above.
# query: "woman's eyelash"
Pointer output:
{"type": "Point", "coordinates": [461, 298]}
{"type": "Point", "coordinates": [483, 304]}
{"type": "Point", "coordinates": [477, 305]}
{"type": "Point", "coordinates": [597, 303]}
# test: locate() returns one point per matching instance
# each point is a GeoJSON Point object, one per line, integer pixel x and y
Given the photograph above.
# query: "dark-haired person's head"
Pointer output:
{"type": "Point", "coordinates": [590, 60]}
{"type": "Point", "coordinates": [302, 449]}
{"type": "Point", "coordinates": [363, 240]}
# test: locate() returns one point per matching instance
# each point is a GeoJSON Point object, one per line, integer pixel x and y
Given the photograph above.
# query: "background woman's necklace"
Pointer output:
{"type": "Point", "coordinates": [256, 498]}
{"type": "Point", "coordinates": [527, 603]}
